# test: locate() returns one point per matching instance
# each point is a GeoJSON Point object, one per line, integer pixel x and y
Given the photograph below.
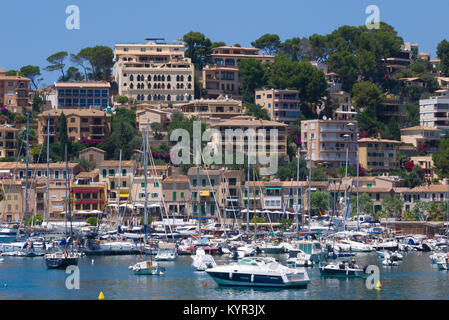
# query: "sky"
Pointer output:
{"type": "Point", "coordinates": [33, 30]}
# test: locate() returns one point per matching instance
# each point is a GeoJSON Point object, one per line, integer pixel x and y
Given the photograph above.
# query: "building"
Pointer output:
{"type": "Point", "coordinates": [8, 141]}
{"type": "Point", "coordinates": [427, 193]}
{"type": "Point", "coordinates": [378, 155]}
{"type": "Point", "coordinates": [243, 123]}
{"type": "Point", "coordinates": [426, 164]}
{"type": "Point", "coordinates": [12, 205]}
{"type": "Point", "coordinates": [408, 53]}
{"type": "Point", "coordinates": [344, 110]}
{"type": "Point", "coordinates": [153, 72]}
{"type": "Point", "coordinates": [14, 91]}
{"type": "Point", "coordinates": [328, 141]}
{"type": "Point", "coordinates": [177, 195]}
{"type": "Point", "coordinates": [82, 95]}
{"type": "Point", "coordinates": [422, 138]}
{"type": "Point", "coordinates": [116, 179]}
{"type": "Point", "coordinates": [146, 114]}
{"type": "Point", "coordinates": [93, 154]}
{"type": "Point", "coordinates": [222, 77]}
{"type": "Point", "coordinates": [282, 105]}
{"type": "Point", "coordinates": [212, 110]}
{"type": "Point", "coordinates": [88, 126]}
{"type": "Point", "coordinates": [88, 195]}
{"type": "Point", "coordinates": [434, 113]}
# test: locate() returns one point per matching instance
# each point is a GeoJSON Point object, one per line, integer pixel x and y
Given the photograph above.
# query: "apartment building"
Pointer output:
{"type": "Point", "coordinates": [281, 105]}
{"type": "Point", "coordinates": [154, 72]}
{"type": "Point", "coordinates": [14, 91]}
{"type": "Point", "coordinates": [177, 195]}
{"type": "Point", "coordinates": [377, 155]}
{"type": "Point", "coordinates": [212, 110]}
{"type": "Point", "coordinates": [427, 193]}
{"type": "Point", "coordinates": [222, 77]}
{"type": "Point", "coordinates": [328, 140]}
{"type": "Point", "coordinates": [422, 138]}
{"type": "Point", "coordinates": [344, 110]}
{"type": "Point", "coordinates": [12, 205]}
{"type": "Point", "coordinates": [408, 53]}
{"type": "Point", "coordinates": [83, 125]}
{"type": "Point", "coordinates": [210, 193]}
{"type": "Point", "coordinates": [82, 95]}
{"type": "Point", "coordinates": [88, 195]}
{"type": "Point", "coordinates": [434, 113]}
{"type": "Point", "coordinates": [248, 122]}
{"type": "Point", "coordinates": [118, 179]}
{"type": "Point", "coordinates": [148, 115]}
{"type": "Point", "coordinates": [8, 141]}
{"type": "Point", "coordinates": [426, 165]}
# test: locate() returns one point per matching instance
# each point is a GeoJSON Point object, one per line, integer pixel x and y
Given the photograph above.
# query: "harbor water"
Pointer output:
{"type": "Point", "coordinates": [28, 278]}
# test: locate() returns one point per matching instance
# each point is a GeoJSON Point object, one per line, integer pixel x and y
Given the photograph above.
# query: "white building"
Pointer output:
{"type": "Point", "coordinates": [434, 113]}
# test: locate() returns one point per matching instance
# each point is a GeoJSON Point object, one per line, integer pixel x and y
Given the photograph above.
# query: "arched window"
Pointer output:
{"type": "Point", "coordinates": [190, 97]}
{"type": "Point", "coordinates": [189, 86]}
{"type": "Point", "coordinates": [138, 86]}
{"type": "Point", "coordinates": [155, 97]}
{"type": "Point", "coordinates": [149, 97]}
{"type": "Point", "coordinates": [149, 78]}
{"type": "Point", "coordinates": [158, 85]}
{"type": "Point", "coordinates": [131, 86]}
{"type": "Point", "coordinates": [159, 78]}
{"type": "Point", "coordinates": [163, 78]}
{"type": "Point", "coordinates": [168, 78]}
{"type": "Point", "coordinates": [163, 86]}
{"type": "Point", "coordinates": [155, 78]}
{"type": "Point", "coordinates": [168, 97]}
{"type": "Point", "coordinates": [138, 78]}
{"type": "Point", "coordinates": [177, 78]}
{"type": "Point", "coordinates": [190, 78]}
{"type": "Point", "coordinates": [159, 97]}
{"type": "Point", "coordinates": [149, 86]}
{"type": "Point", "coordinates": [169, 86]}
{"type": "Point", "coordinates": [131, 78]}
{"type": "Point", "coordinates": [182, 78]}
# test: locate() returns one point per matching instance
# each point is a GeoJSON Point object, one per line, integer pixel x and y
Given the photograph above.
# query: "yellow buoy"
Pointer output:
{"type": "Point", "coordinates": [101, 296]}
{"type": "Point", "coordinates": [378, 285]}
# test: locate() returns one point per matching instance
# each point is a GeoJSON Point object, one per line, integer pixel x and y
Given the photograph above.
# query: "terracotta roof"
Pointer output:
{"type": "Point", "coordinates": [420, 128]}
{"type": "Point", "coordinates": [75, 112]}
{"type": "Point", "coordinates": [437, 188]}
{"type": "Point", "coordinates": [248, 123]}
{"type": "Point", "coordinates": [32, 166]}
{"type": "Point", "coordinates": [378, 140]}
{"type": "Point", "coordinates": [176, 179]}
{"type": "Point", "coordinates": [115, 163]}
{"type": "Point", "coordinates": [91, 174]}
{"type": "Point", "coordinates": [82, 85]}
{"type": "Point", "coordinates": [92, 149]}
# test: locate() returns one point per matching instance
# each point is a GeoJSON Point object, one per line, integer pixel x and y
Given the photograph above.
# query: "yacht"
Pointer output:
{"type": "Point", "coordinates": [342, 269]}
{"type": "Point", "coordinates": [259, 272]}
{"type": "Point", "coordinates": [202, 261]}
{"type": "Point", "coordinates": [166, 252]}
{"type": "Point", "coordinates": [147, 268]}
{"type": "Point", "coordinates": [61, 260]}
{"type": "Point", "coordinates": [299, 259]}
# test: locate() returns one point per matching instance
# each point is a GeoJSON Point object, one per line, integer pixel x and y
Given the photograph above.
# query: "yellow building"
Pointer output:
{"type": "Point", "coordinates": [378, 154]}
{"type": "Point", "coordinates": [281, 105]}
{"type": "Point", "coordinates": [8, 141]}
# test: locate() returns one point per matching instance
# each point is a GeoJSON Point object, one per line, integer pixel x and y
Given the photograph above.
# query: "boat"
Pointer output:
{"type": "Point", "coordinates": [394, 256]}
{"type": "Point", "coordinates": [202, 261]}
{"type": "Point", "coordinates": [147, 268]}
{"type": "Point", "coordinates": [389, 262]}
{"type": "Point", "coordinates": [342, 269]}
{"type": "Point", "coordinates": [166, 252]}
{"type": "Point", "coordinates": [259, 272]}
{"type": "Point", "coordinates": [61, 260]}
{"type": "Point", "coordinates": [299, 259]}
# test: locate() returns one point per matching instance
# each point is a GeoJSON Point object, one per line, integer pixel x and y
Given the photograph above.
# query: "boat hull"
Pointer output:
{"type": "Point", "coordinates": [60, 263]}
{"type": "Point", "coordinates": [341, 272]}
{"type": "Point", "coordinates": [244, 280]}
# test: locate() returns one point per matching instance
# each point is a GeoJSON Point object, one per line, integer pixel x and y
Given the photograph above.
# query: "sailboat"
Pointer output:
{"type": "Point", "coordinates": [63, 259]}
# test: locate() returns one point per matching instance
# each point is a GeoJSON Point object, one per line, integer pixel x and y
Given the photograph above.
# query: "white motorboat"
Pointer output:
{"type": "Point", "coordinates": [147, 268]}
{"type": "Point", "coordinates": [342, 269]}
{"type": "Point", "coordinates": [166, 252]}
{"type": "Point", "coordinates": [437, 256]}
{"type": "Point", "coordinates": [259, 272]}
{"type": "Point", "coordinates": [299, 259]}
{"type": "Point", "coordinates": [394, 256]}
{"type": "Point", "coordinates": [202, 261]}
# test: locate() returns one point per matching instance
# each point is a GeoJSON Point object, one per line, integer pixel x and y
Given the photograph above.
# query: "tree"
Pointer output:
{"type": "Point", "coordinates": [86, 165]}
{"type": "Point", "coordinates": [393, 131]}
{"type": "Point", "coordinates": [33, 73]}
{"type": "Point", "coordinates": [101, 60]}
{"type": "Point", "coordinates": [441, 158]}
{"type": "Point", "coordinates": [365, 204]}
{"type": "Point", "coordinates": [254, 76]}
{"type": "Point", "coordinates": [38, 101]}
{"type": "Point", "coordinates": [411, 111]}
{"type": "Point", "coordinates": [319, 201]}
{"type": "Point", "coordinates": [57, 62]}
{"type": "Point", "coordinates": [392, 205]}
{"type": "Point", "coordinates": [414, 178]}
{"type": "Point", "coordinates": [443, 54]}
{"type": "Point", "coordinates": [82, 62]}
{"type": "Point", "coordinates": [72, 75]}
{"type": "Point", "coordinates": [93, 221]}
{"type": "Point", "coordinates": [420, 210]}
{"type": "Point", "coordinates": [198, 48]}
{"type": "Point", "coordinates": [367, 98]}
{"type": "Point", "coordinates": [199, 91]}
{"type": "Point", "coordinates": [122, 99]}
{"type": "Point", "coordinates": [257, 111]}
{"type": "Point", "coordinates": [35, 221]}
{"type": "Point", "coordinates": [269, 43]}
{"type": "Point", "coordinates": [156, 127]}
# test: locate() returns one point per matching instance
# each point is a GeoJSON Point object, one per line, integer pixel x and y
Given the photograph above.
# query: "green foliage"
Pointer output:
{"type": "Point", "coordinates": [286, 224]}
{"type": "Point", "coordinates": [319, 201]}
{"type": "Point", "coordinates": [296, 49]}
{"type": "Point", "coordinates": [365, 204]}
{"type": "Point", "coordinates": [35, 221]}
{"type": "Point", "coordinates": [441, 158]}
{"type": "Point", "coordinates": [93, 221]}
{"type": "Point", "coordinates": [254, 75]}
{"type": "Point", "coordinates": [57, 62]}
{"type": "Point", "coordinates": [411, 111]}
{"type": "Point", "coordinates": [86, 165]}
{"type": "Point", "coordinates": [393, 131]}
{"type": "Point", "coordinates": [33, 73]}
{"type": "Point", "coordinates": [367, 98]}
{"type": "Point", "coordinates": [199, 91]}
{"type": "Point", "coordinates": [142, 220]}
{"type": "Point", "coordinates": [257, 220]}
{"type": "Point", "coordinates": [256, 111]}
{"type": "Point", "coordinates": [443, 54]}
{"type": "Point", "coordinates": [100, 60]}
{"type": "Point", "coordinates": [198, 48]}
{"type": "Point", "coordinates": [269, 43]}
{"type": "Point", "coordinates": [414, 178]}
{"type": "Point", "coordinates": [288, 171]}
{"type": "Point", "coordinates": [287, 74]}
{"type": "Point", "coordinates": [122, 99]}
{"type": "Point", "coordinates": [392, 205]}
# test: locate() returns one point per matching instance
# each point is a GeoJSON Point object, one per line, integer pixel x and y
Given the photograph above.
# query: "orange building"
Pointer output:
{"type": "Point", "coordinates": [14, 91]}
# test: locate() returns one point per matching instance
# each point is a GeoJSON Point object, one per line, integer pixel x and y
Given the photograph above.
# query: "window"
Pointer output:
{"type": "Point", "coordinates": [182, 195]}
{"type": "Point", "coordinates": [104, 173]}
{"type": "Point", "coordinates": [174, 196]}
{"type": "Point", "coordinates": [124, 172]}
{"type": "Point", "coordinates": [111, 172]}
{"type": "Point", "coordinates": [194, 182]}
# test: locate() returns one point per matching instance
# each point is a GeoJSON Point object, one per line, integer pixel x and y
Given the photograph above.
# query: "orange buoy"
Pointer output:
{"type": "Point", "coordinates": [205, 284]}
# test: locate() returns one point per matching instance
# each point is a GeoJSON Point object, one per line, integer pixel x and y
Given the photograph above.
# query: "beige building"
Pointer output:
{"type": "Point", "coordinates": [14, 91]}
{"type": "Point", "coordinates": [109, 173]}
{"type": "Point", "coordinates": [8, 141]}
{"type": "Point", "coordinates": [153, 72]}
{"type": "Point", "coordinates": [12, 205]}
{"type": "Point", "coordinates": [82, 95]}
{"type": "Point", "coordinates": [426, 164]}
{"type": "Point", "coordinates": [378, 154]}
{"type": "Point", "coordinates": [93, 154]}
{"type": "Point", "coordinates": [177, 195]}
{"type": "Point", "coordinates": [328, 141]}
{"type": "Point", "coordinates": [212, 110]}
{"type": "Point", "coordinates": [83, 125]}
{"type": "Point", "coordinates": [248, 122]}
{"type": "Point", "coordinates": [222, 77]}
{"type": "Point", "coordinates": [344, 109]}
{"type": "Point", "coordinates": [148, 115]}
{"type": "Point", "coordinates": [422, 138]}
{"type": "Point", "coordinates": [281, 105]}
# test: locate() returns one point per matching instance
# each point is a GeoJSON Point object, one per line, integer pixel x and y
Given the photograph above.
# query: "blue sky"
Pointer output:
{"type": "Point", "coordinates": [33, 30]}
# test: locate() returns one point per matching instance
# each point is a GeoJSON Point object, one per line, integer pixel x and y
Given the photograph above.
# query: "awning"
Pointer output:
{"type": "Point", "coordinates": [273, 188]}
{"type": "Point", "coordinates": [204, 193]}
{"type": "Point", "coordinates": [124, 194]}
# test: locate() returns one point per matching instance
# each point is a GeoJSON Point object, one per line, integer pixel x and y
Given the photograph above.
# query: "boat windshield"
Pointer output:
{"type": "Point", "coordinates": [247, 262]}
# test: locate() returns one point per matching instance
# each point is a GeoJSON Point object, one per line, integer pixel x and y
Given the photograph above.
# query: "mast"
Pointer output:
{"type": "Point", "coordinates": [118, 197]}
{"type": "Point", "coordinates": [249, 178]}
{"type": "Point", "coordinates": [66, 187]}
{"type": "Point", "coordinates": [26, 171]}
{"type": "Point", "coordinates": [358, 228]}
{"type": "Point", "coordinates": [66, 193]}
{"type": "Point", "coordinates": [346, 187]}
{"type": "Point", "coordinates": [297, 196]}
{"type": "Point", "coordinates": [145, 165]}
{"type": "Point", "coordinates": [48, 171]}
{"type": "Point", "coordinates": [310, 181]}
{"type": "Point", "coordinates": [198, 196]}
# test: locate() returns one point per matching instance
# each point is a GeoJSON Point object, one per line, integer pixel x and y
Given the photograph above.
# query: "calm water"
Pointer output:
{"type": "Point", "coordinates": [28, 278]}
